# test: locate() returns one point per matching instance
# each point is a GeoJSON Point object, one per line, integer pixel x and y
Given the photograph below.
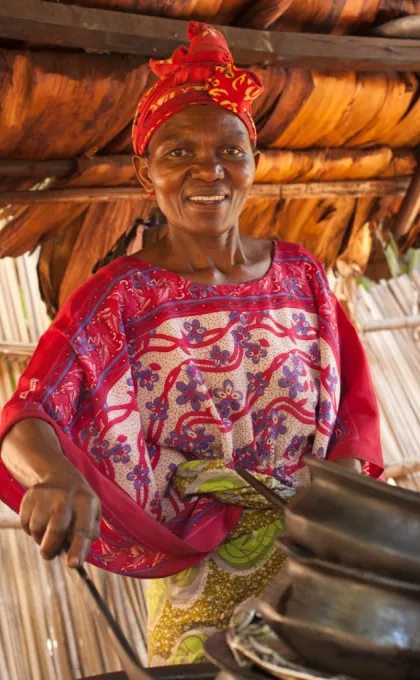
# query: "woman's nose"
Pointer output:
{"type": "Point", "coordinates": [208, 170]}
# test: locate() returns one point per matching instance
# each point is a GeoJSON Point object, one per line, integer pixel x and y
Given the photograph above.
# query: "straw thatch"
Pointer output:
{"type": "Point", "coordinates": [322, 16]}
{"type": "Point", "coordinates": [312, 127]}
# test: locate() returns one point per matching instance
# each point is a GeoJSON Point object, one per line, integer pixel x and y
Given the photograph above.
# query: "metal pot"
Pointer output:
{"type": "Point", "coordinates": [341, 620]}
{"type": "Point", "coordinates": [354, 520]}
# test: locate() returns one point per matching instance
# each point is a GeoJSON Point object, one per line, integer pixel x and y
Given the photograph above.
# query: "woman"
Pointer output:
{"type": "Point", "coordinates": [165, 371]}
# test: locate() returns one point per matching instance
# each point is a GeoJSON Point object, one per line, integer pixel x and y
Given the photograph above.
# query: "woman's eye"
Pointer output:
{"type": "Point", "coordinates": [178, 153]}
{"type": "Point", "coordinates": [232, 151]}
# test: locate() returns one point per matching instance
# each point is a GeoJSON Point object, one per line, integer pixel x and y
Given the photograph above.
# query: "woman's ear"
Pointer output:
{"type": "Point", "coordinates": [257, 156]}
{"type": "Point", "coordinates": [141, 167]}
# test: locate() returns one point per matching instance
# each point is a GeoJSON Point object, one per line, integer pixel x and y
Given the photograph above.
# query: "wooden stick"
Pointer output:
{"type": "Point", "coordinates": [391, 324]}
{"type": "Point", "coordinates": [395, 186]}
{"type": "Point", "coordinates": [403, 470]}
{"type": "Point", "coordinates": [109, 31]}
{"type": "Point", "coordinates": [409, 209]}
{"type": "Point", "coordinates": [9, 521]}
{"type": "Point", "coordinates": [405, 27]}
{"type": "Point", "coordinates": [17, 348]}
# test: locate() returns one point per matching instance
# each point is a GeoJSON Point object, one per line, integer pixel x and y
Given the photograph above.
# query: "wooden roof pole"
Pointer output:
{"type": "Point", "coordinates": [410, 208]}
{"type": "Point", "coordinates": [391, 187]}
{"type": "Point", "coordinates": [61, 167]}
{"type": "Point", "coordinates": [109, 31]}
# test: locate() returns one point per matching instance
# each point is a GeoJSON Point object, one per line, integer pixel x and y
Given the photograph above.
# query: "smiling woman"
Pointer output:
{"type": "Point", "coordinates": [170, 367]}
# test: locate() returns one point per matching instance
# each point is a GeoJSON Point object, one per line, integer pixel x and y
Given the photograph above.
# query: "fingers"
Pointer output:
{"type": "Point", "coordinates": [57, 519]}
{"type": "Point", "coordinates": [25, 511]}
{"type": "Point", "coordinates": [56, 533]}
{"type": "Point", "coordinates": [85, 530]}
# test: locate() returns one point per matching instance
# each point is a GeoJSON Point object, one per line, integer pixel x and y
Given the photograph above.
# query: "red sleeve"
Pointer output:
{"type": "Point", "coordinates": [356, 433]}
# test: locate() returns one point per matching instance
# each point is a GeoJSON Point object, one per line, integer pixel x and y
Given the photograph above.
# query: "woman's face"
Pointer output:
{"type": "Point", "coordinates": [201, 165]}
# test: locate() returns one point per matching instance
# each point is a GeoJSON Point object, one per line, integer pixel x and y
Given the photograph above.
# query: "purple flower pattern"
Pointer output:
{"type": "Point", "coordinates": [218, 356]}
{"type": "Point", "coordinates": [315, 353]}
{"type": "Point", "coordinates": [201, 291]}
{"type": "Point", "coordinates": [83, 345]}
{"type": "Point", "coordinates": [190, 394]}
{"type": "Point", "coordinates": [195, 331]}
{"type": "Point", "coordinates": [276, 424]}
{"type": "Point", "coordinates": [257, 383]}
{"type": "Point", "coordinates": [332, 379]}
{"type": "Point", "coordinates": [100, 449]}
{"type": "Point", "coordinates": [193, 373]}
{"type": "Point", "coordinates": [121, 450]}
{"type": "Point", "coordinates": [229, 397]}
{"type": "Point", "coordinates": [191, 439]}
{"type": "Point", "coordinates": [291, 380]}
{"type": "Point", "coordinates": [325, 410]}
{"type": "Point", "coordinates": [241, 336]}
{"type": "Point", "coordinates": [301, 324]}
{"type": "Point", "coordinates": [255, 352]}
{"type": "Point", "coordinates": [158, 409]}
{"type": "Point", "coordinates": [148, 378]}
{"type": "Point", "coordinates": [139, 476]}
{"type": "Point", "coordinates": [297, 363]}
{"type": "Point", "coordinates": [291, 285]}
{"type": "Point", "coordinates": [296, 444]}
{"type": "Point", "coordinates": [246, 457]}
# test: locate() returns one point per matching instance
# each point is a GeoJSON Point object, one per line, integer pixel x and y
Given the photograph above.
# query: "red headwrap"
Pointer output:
{"type": "Point", "coordinates": [205, 74]}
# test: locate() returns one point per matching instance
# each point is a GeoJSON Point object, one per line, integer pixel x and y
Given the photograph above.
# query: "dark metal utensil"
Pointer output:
{"type": "Point", "coordinates": [129, 659]}
{"type": "Point", "coordinates": [268, 494]}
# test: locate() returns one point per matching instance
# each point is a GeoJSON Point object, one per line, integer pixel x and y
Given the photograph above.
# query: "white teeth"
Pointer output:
{"type": "Point", "coordinates": [206, 199]}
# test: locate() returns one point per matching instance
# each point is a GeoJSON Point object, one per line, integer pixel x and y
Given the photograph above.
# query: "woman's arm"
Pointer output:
{"type": "Point", "coordinates": [356, 440]}
{"type": "Point", "coordinates": [60, 509]}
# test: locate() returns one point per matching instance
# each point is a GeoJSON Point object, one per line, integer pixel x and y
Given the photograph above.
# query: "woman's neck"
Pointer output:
{"type": "Point", "coordinates": [189, 253]}
{"type": "Point", "coordinates": [228, 258]}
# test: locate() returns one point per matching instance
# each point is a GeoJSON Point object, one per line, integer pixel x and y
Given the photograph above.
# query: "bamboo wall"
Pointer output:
{"type": "Point", "coordinates": [47, 630]}
{"type": "Point", "coordinates": [394, 358]}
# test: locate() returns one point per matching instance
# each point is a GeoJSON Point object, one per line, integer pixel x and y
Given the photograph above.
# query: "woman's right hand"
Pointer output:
{"type": "Point", "coordinates": [62, 513]}
{"type": "Point", "coordinates": [59, 510]}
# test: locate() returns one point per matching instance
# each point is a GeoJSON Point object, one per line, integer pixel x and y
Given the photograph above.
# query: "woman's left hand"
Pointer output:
{"type": "Point", "coordinates": [353, 464]}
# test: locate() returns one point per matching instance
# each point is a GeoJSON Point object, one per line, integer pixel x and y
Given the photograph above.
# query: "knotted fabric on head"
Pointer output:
{"type": "Point", "coordinates": [201, 74]}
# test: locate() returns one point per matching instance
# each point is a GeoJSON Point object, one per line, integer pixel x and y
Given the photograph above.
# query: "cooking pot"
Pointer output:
{"type": "Point", "coordinates": [354, 520]}
{"type": "Point", "coordinates": [343, 620]}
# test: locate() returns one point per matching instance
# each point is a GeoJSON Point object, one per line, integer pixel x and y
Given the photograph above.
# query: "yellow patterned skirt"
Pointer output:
{"type": "Point", "coordinates": [187, 608]}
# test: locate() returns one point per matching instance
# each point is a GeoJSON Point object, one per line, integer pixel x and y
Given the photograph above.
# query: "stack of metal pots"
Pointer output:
{"type": "Point", "coordinates": [350, 602]}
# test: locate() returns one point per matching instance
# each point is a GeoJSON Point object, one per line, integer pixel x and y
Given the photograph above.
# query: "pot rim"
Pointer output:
{"type": "Point", "coordinates": [350, 573]}
{"type": "Point", "coordinates": [340, 475]}
{"type": "Point", "coordinates": [289, 546]}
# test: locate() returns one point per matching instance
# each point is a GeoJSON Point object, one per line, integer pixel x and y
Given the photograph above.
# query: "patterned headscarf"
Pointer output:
{"type": "Point", "coordinates": [203, 73]}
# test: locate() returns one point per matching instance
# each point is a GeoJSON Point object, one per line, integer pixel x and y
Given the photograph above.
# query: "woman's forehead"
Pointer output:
{"type": "Point", "coordinates": [201, 123]}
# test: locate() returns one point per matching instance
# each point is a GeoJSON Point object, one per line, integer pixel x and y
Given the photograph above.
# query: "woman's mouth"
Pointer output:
{"type": "Point", "coordinates": [213, 200]}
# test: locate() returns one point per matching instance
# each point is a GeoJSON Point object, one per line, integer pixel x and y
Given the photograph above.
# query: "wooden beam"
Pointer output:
{"type": "Point", "coordinates": [395, 186]}
{"type": "Point", "coordinates": [107, 31]}
{"type": "Point", "coordinates": [62, 167]}
{"type": "Point", "coordinates": [409, 209]}
{"type": "Point", "coordinates": [37, 169]}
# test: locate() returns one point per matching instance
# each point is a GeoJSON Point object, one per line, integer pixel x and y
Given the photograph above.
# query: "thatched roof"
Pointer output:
{"type": "Point", "coordinates": [313, 127]}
